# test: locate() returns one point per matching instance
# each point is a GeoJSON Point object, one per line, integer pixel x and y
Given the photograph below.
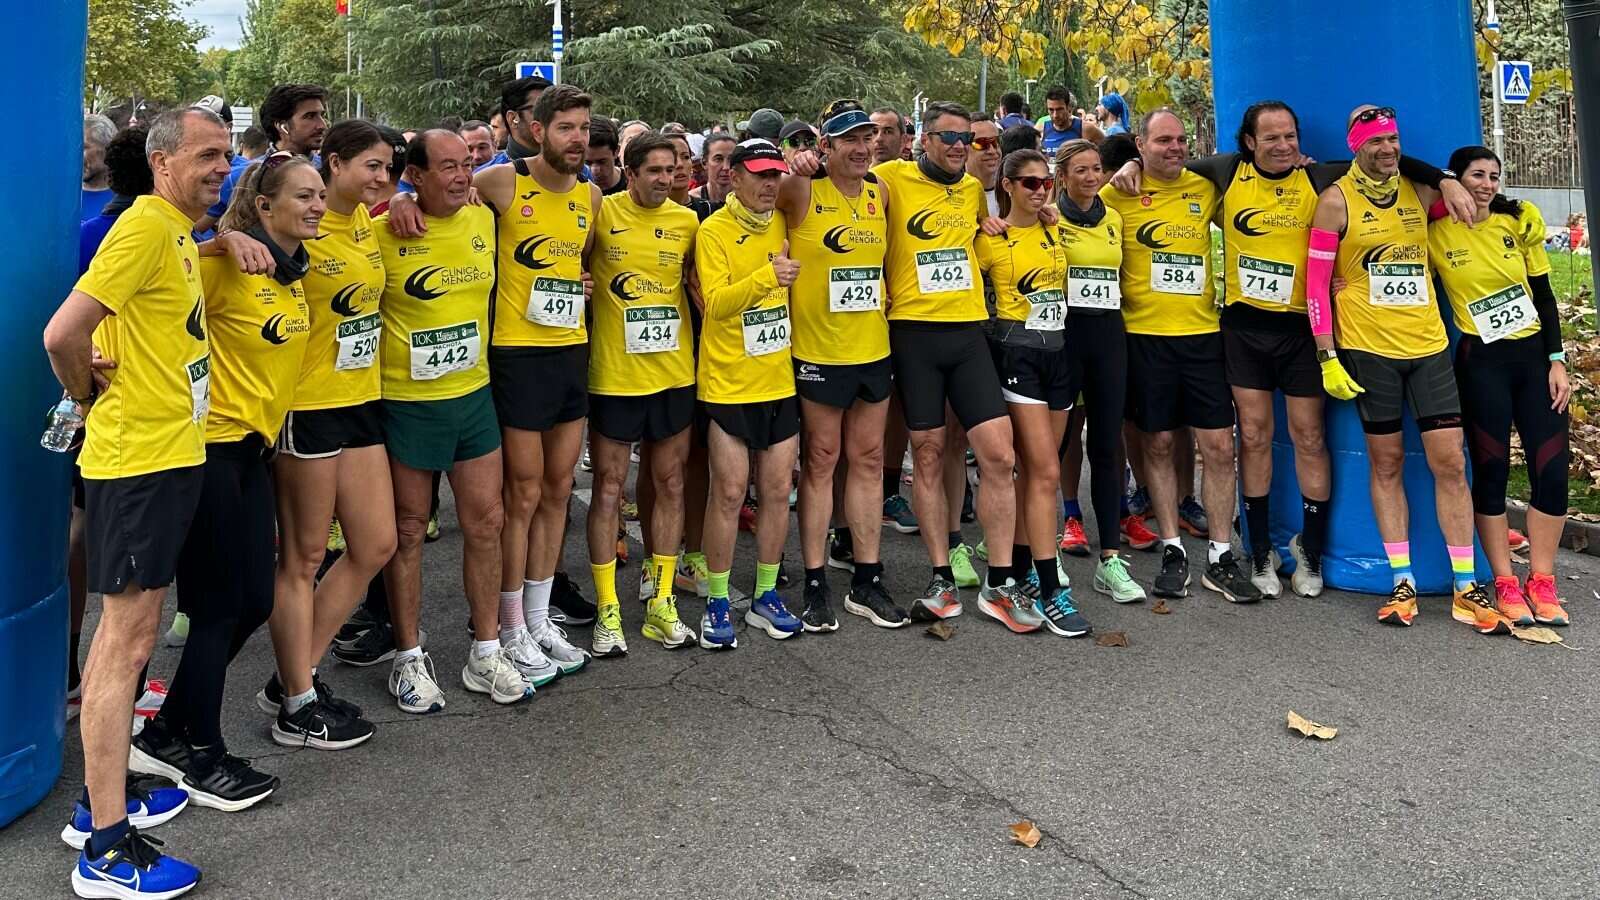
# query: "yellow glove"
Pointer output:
{"type": "Point", "coordinates": [1337, 382]}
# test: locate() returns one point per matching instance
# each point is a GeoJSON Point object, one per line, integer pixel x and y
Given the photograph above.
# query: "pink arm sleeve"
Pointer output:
{"type": "Point", "coordinates": [1319, 272]}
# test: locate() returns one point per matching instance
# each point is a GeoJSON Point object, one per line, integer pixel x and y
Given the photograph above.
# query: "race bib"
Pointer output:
{"type": "Point", "coordinates": [650, 329]}
{"type": "Point", "coordinates": [440, 351]}
{"type": "Point", "coordinates": [357, 340]}
{"type": "Point", "coordinates": [1397, 284]}
{"type": "Point", "coordinates": [855, 289]}
{"type": "Point", "coordinates": [1265, 280]}
{"type": "Point", "coordinates": [555, 302]}
{"type": "Point", "coordinates": [199, 375]}
{"type": "Point", "coordinates": [1178, 273]}
{"type": "Point", "coordinates": [1093, 287]}
{"type": "Point", "coordinates": [1503, 313]}
{"type": "Point", "coordinates": [1047, 311]}
{"type": "Point", "coordinates": [766, 330]}
{"type": "Point", "coordinates": [942, 271]}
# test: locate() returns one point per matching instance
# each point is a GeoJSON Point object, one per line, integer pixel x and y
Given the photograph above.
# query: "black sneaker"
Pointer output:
{"type": "Point", "coordinates": [270, 698]}
{"type": "Point", "coordinates": [873, 603]}
{"type": "Point", "coordinates": [155, 751]}
{"type": "Point", "coordinates": [220, 780]}
{"type": "Point", "coordinates": [374, 646]}
{"type": "Point", "coordinates": [361, 621]}
{"type": "Point", "coordinates": [570, 602]}
{"type": "Point", "coordinates": [783, 573]}
{"type": "Point", "coordinates": [320, 726]}
{"type": "Point", "coordinates": [1174, 578]}
{"type": "Point", "coordinates": [1226, 578]}
{"type": "Point", "coordinates": [840, 557]}
{"type": "Point", "coordinates": [818, 614]}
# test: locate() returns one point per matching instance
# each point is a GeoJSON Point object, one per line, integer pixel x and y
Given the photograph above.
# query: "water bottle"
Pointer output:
{"type": "Point", "coordinates": [63, 427]}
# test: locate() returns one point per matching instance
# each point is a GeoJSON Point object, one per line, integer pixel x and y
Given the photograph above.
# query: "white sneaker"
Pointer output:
{"type": "Point", "coordinates": [529, 659]}
{"type": "Point", "coordinates": [413, 685]}
{"type": "Point", "coordinates": [1264, 575]}
{"type": "Point", "coordinates": [647, 585]}
{"type": "Point", "coordinates": [497, 676]}
{"type": "Point", "coordinates": [1306, 580]}
{"type": "Point", "coordinates": [553, 641]}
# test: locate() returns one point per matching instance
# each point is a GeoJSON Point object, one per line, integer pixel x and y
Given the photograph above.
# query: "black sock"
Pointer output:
{"type": "Point", "coordinates": [843, 540]}
{"type": "Point", "coordinates": [1048, 582]}
{"type": "Point", "coordinates": [73, 643]}
{"type": "Point", "coordinates": [866, 573]}
{"type": "Point", "coordinates": [817, 577]}
{"type": "Point", "coordinates": [944, 572]}
{"type": "Point", "coordinates": [955, 539]}
{"type": "Point", "coordinates": [1255, 518]}
{"type": "Point", "coordinates": [891, 483]}
{"type": "Point", "coordinates": [1021, 561]}
{"type": "Point", "coordinates": [1314, 531]}
{"type": "Point", "coordinates": [997, 575]}
{"type": "Point", "coordinates": [103, 839]}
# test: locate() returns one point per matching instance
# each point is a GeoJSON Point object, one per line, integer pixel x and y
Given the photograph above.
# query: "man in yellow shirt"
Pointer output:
{"type": "Point", "coordinates": [140, 302]}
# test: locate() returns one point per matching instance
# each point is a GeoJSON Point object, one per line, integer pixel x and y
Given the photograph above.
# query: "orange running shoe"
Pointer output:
{"type": "Point", "coordinates": [1511, 603]}
{"type": "Point", "coordinates": [1517, 539]}
{"type": "Point", "coordinates": [1402, 605]}
{"type": "Point", "coordinates": [1472, 607]}
{"type": "Point", "coordinates": [1073, 540]}
{"type": "Point", "coordinates": [1547, 608]}
{"type": "Point", "coordinates": [1137, 534]}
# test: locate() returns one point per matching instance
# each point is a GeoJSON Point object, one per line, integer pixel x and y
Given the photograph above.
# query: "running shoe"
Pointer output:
{"type": "Point", "coordinates": [647, 584]}
{"type": "Point", "coordinates": [156, 751]}
{"type": "Point", "coordinates": [981, 551]}
{"type": "Point", "coordinates": [969, 513]}
{"type": "Point", "coordinates": [608, 640]}
{"type": "Point", "coordinates": [133, 869]}
{"type": "Point", "coordinates": [691, 575]}
{"type": "Point", "coordinates": [843, 558]}
{"type": "Point", "coordinates": [1008, 605]}
{"type": "Point", "coordinates": [1473, 607]}
{"type": "Point", "coordinates": [1402, 606]}
{"type": "Point", "coordinates": [566, 598]}
{"type": "Point", "coordinates": [1138, 535]}
{"type": "Point", "coordinates": [661, 623]}
{"type": "Point", "coordinates": [217, 779]}
{"type": "Point", "coordinates": [1173, 581]}
{"type": "Point", "coordinates": [497, 676]}
{"type": "Point", "coordinates": [716, 626]}
{"type": "Point", "coordinates": [768, 613]}
{"type": "Point", "coordinates": [1307, 578]}
{"type": "Point", "coordinates": [584, 462]}
{"type": "Point", "coordinates": [1073, 541]}
{"type": "Point", "coordinates": [553, 641]}
{"type": "Point", "coordinates": [360, 622]}
{"type": "Point", "coordinates": [151, 698]}
{"type": "Point", "coordinates": [897, 514]}
{"type": "Point", "coordinates": [1139, 501]}
{"type": "Point", "coordinates": [413, 685]}
{"type": "Point", "coordinates": [1264, 574]}
{"type": "Point", "coordinates": [270, 698]}
{"type": "Point", "coordinates": [630, 511]}
{"type": "Point", "coordinates": [432, 534]}
{"type": "Point", "coordinates": [373, 647]}
{"type": "Point", "coordinates": [622, 546]}
{"type": "Point", "coordinates": [940, 601]}
{"type": "Point", "coordinates": [1226, 578]}
{"type": "Point", "coordinates": [150, 803]}
{"type": "Point", "coordinates": [1192, 516]}
{"type": "Point", "coordinates": [1510, 602]}
{"type": "Point", "coordinates": [972, 459]}
{"type": "Point", "coordinates": [873, 603]}
{"type": "Point", "coordinates": [1061, 616]}
{"type": "Point", "coordinates": [783, 572]}
{"type": "Point", "coordinates": [1516, 539]}
{"type": "Point", "coordinates": [179, 632]}
{"type": "Point", "coordinates": [1547, 608]}
{"type": "Point", "coordinates": [321, 727]}
{"type": "Point", "coordinates": [961, 566]}
{"type": "Point", "coordinates": [336, 542]}
{"type": "Point", "coordinates": [747, 516]}
{"type": "Point", "coordinates": [818, 615]}
{"type": "Point", "coordinates": [1112, 579]}
{"type": "Point", "coordinates": [529, 659]}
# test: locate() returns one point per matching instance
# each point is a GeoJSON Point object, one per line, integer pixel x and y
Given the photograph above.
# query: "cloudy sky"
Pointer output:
{"type": "Point", "coordinates": [221, 17]}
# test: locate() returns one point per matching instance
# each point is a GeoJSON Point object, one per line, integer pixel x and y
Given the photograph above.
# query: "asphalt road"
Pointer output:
{"type": "Point", "coordinates": [869, 763]}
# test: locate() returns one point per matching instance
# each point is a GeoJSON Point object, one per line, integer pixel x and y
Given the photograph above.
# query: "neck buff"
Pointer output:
{"type": "Point", "coordinates": [935, 174]}
{"type": "Point", "coordinates": [288, 269]}
{"type": "Point", "coordinates": [1377, 191]}
{"type": "Point", "coordinates": [1087, 218]}
{"type": "Point", "coordinates": [749, 220]}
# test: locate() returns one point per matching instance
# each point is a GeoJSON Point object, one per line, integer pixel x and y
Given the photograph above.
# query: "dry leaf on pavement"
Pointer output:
{"type": "Point", "coordinates": [1111, 639]}
{"type": "Point", "coordinates": [944, 631]}
{"type": "Point", "coordinates": [1161, 608]}
{"type": "Point", "coordinates": [1538, 635]}
{"type": "Point", "coordinates": [1025, 833]}
{"type": "Point", "coordinates": [1309, 728]}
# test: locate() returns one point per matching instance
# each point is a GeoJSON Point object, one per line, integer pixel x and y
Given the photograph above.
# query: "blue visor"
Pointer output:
{"type": "Point", "coordinates": [846, 121]}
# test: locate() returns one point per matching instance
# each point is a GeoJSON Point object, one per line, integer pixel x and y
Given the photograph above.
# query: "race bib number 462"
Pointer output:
{"type": "Point", "coordinates": [941, 271]}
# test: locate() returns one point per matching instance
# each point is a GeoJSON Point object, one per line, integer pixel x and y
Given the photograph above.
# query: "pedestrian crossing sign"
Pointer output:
{"type": "Point", "coordinates": [1516, 80]}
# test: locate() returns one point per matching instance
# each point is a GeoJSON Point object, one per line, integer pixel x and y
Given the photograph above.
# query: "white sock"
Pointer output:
{"type": "Point", "coordinates": [299, 701]}
{"type": "Point", "coordinates": [482, 649]}
{"type": "Point", "coordinates": [536, 601]}
{"type": "Point", "coordinates": [511, 620]}
{"type": "Point", "coordinates": [403, 655]}
{"type": "Point", "coordinates": [1173, 542]}
{"type": "Point", "coordinates": [1217, 548]}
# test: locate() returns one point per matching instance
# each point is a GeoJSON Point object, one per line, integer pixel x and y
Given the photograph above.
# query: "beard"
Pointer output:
{"type": "Point", "coordinates": [559, 162]}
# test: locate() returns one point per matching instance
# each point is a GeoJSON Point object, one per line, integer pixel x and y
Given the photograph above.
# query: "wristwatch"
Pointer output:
{"type": "Point", "coordinates": [1449, 174]}
{"type": "Point", "coordinates": [1326, 355]}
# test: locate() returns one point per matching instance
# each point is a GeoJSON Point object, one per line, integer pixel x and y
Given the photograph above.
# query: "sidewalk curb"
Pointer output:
{"type": "Point", "coordinates": [1583, 537]}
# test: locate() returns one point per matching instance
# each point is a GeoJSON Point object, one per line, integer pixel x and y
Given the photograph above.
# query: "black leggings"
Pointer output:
{"type": "Point", "coordinates": [1097, 347]}
{"type": "Point", "coordinates": [1506, 383]}
{"type": "Point", "coordinates": [225, 571]}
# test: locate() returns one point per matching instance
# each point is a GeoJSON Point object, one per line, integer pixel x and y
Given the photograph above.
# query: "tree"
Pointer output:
{"type": "Point", "coordinates": [289, 41]}
{"type": "Point", "coordinates": [139, 49]}
{"type": "Point", "coordinates": [209, 74]}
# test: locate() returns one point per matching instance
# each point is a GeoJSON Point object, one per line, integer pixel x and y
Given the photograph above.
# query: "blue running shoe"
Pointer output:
{"type": "Point", "coordinates": [1061, 617]}
{"type": "Point", "coordinates": [133, 869]}
{"type": "Point", "coordinates": [1192, 516]}
{"type": "Point", "coordinates": [1139, 501]}
{"type": "Point", "coordinates": [716, 626]}
{"type": "Point", "coordinates": [767, 613]}
{"type": "Point", "coordinates": [897, 514]}
{"type": "Point", "coordinates": [147, 808]}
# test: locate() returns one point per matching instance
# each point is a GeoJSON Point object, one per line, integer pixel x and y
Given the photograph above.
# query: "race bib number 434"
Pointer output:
{"type": "Point", "coordinates": [650, 329]}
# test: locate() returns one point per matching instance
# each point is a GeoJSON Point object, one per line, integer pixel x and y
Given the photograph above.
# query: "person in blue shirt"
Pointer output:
{"type": "Point", "coordinates": [129, 178]}
{"type": "Point", "coordinates": [1113, 114]}
{"type": "Point", "coordinates": [1061, 125]}
{"type": "Point", "coordinates": [294, 117]}
{"type": "Point", "coordinates": [97, 133]}
{"type": "Point", "coordinates": [1011, 104]}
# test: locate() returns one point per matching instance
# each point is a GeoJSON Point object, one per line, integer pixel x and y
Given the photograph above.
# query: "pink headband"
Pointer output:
{"type": "Point", "coordinates": [1361, 132]}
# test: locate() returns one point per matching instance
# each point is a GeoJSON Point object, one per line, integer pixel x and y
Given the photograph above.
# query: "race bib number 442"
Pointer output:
{"type": "Point", "coordinates": [439, 351]}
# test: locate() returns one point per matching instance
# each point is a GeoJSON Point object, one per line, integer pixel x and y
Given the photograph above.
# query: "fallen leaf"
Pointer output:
{"type": "Point", "coordinates": [1161, 608]}
{"type": "Point", "coordinates": [1025, 833]}
{"type": "Point", "coordinates": [1538, 635]}
{"type": "Point", "coordinates": [1579, 541]}
{"type": "Point", "coordinates": [1309, 728]}
{"type": "Point", "coordinates": [944, 631]}
{"type": "Point", "coordinates": [1111, 639]}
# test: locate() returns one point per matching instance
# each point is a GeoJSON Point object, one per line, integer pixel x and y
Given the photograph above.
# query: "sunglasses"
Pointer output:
{"type": "Point", "coordinates": [1031, 182]}
{"type": "Point", "coordinates": [951, 138]}
{"type": "Point", "coordinates": [271, 162]}
{"type": "Point", "coordinates": [801, 140]}
{"type": "Point", "coordinates": [1368, 115]}
{"type": "Point", "coordinates": [985, 143]}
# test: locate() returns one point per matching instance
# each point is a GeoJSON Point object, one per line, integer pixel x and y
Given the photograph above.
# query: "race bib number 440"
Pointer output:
{"type": "Point", "coordinates": [439, 351]}
{"type": "Point", "coordinates": [766, 330]}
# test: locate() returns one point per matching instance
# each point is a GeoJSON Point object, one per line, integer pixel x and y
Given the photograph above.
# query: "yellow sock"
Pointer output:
{"type": "Point", "coordinates": [605, 583]}
{"type": "Point", "coordinates": [663, 568]}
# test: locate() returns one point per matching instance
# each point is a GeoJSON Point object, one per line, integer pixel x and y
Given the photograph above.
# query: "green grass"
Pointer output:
{"type": "Point", "coordinates": [1570, 275]}
{"type": "Point", "coordinates": [1581, 496]}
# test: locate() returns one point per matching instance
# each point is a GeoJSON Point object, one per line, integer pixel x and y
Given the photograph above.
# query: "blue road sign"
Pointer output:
{"type": "Point", "coordinates": [1516, 80]}
{"type": "Point", "coordinates": [545, 70]}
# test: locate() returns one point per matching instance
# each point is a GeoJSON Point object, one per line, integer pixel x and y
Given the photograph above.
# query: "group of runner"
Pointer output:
{"type": "Point", "coordinates": [819, 301]}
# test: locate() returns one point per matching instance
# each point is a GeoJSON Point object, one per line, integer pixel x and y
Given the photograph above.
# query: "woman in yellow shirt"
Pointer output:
{"type": "Point", "coordinates": [1510, 367]}
{"type": "Point", "coordinates": [258, 327]}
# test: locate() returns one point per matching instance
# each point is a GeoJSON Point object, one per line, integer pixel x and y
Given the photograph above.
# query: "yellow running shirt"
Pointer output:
{"type": "Point", "coordinates": [1266, 227]}
{"type": "Point", "coordinates": [838, 296]}
{"type": "Point", "coordinates": [1387, 305]}
{"type": "Point", "coordinates": [1166, 255]}
{"type": "Point", "coordinates": [539, 299]}
{"type": "Point", "coordinates": [932, 265]}
{"type": "Point", "coordinates": [1094, 262]}
{"type": "Point", "coordinates": [343, 289]}
{"type": "Point", "coordinates": [744, 341]}
{"type": "Point", "coordinates": [642, 341]}
{"type": "Point", "coordinates": [1027, 269]}
{"type": "Point", "coordinates": [259, 331]}
{"type": "Point", "coordinates": [436, 306]}
{"type": "Point", "coordinates": [152, 417]}
{"type": "Point", "coordinates": [1485, 269]}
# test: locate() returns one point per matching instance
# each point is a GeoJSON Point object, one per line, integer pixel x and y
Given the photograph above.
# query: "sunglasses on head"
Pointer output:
{"type": "Point", "coordinates": [1032, 182]}
{"type": "Point", "coordinates": [1368, 115]}
{"type": "Point", "coordinates": [985, 143]}
{"type": "Point", "coordinates": [271, 162]}
{"type": "Point", "coordinates": [951, 138]}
